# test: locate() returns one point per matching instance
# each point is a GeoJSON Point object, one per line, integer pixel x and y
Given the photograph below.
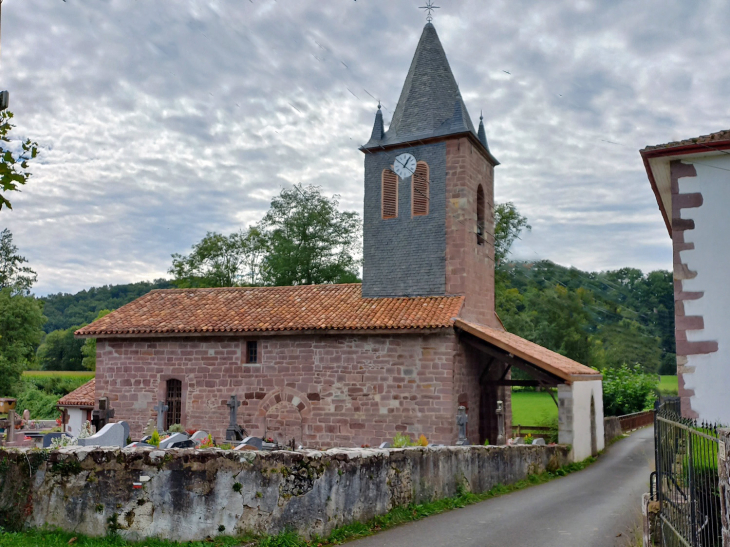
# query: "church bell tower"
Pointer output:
{"type": "Point", "coordinates": [429, 194]}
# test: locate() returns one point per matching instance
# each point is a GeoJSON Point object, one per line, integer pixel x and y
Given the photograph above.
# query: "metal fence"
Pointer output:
{"type": "Point", "coordinates": [686, 479]}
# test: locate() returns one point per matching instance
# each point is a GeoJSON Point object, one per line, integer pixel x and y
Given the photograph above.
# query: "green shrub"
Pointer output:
{"type": "Point", "coordinates": [154, 438]}
{"type": "Point", "coordinates": [401, 440]}
{"type": "Point", "coordinates": [627, 390]}
{"type": "Point", "coordinates": [176, 428]}
{"type": "Point", "coordinates": [42, 405]}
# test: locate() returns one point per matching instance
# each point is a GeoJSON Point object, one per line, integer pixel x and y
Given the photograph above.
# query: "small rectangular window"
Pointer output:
{"type": "Point", "coordinates": [252, 351]}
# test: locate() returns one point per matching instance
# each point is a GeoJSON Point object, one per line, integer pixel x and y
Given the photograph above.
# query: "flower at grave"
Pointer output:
{"type": "Point", "coordinates": [269, 440]}
{"type": "Point", "coordinates": [422, 440]}
{"type": "Point", "coordinates": [86, 430]}
{"type": "Point", "coordinates": [364, 446]}
{"type": "Point", "coordinates": [191, 432]}
{"type": "Point", "coordinates": [528, 438]}
{"type": "Point", "coordinates": [58, 422]}
{"type": "Point", "coordinates": [208, 443]}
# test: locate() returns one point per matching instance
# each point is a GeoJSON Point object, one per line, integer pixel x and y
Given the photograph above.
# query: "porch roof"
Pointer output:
{"type": "Point", "coordinates": [554, 364]}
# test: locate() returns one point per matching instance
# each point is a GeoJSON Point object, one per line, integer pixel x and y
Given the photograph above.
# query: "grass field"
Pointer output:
{"type": "Point", "coordinates": [668, 385]}
{"type": "Point", "coordinates": [533, 408]}
{"type": "Point", "coordinates": [60, 373]}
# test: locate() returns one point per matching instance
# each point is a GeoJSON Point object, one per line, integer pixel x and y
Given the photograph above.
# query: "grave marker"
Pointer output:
{"type": "Point", "coordinates": [110, 435]}
{"type": "Point", "coordinates": [161, 408]}
{"type": "Point", "coordinates": [100, 417]}
{"type": "Point", "coordinates": [461, 420]}
{"type": "Point", "coordinates": [234, 432]}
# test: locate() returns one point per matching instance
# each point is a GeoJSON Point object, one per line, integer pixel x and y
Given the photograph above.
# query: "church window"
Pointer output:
{"type": "Point", "coordinates": [252, 351]}
{"type": "Point", "coordinates": [419, 187]}
{"type": "Point", "coordinates": [389, 194]}
{"type": "Point", "coordinates": [173, 402]}
{"type": "Point", "coordinates": [481, 233]}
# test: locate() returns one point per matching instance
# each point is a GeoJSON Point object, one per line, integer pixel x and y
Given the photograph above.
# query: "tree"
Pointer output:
{"type": "Point", "coordinates": [303, 239]}
{"type": "Point", "coordinates": [308, 240]}
{"type": "Point", "coordinates": [21, 322]}
{"type": "Point", "coordinates": [220, 261]}
{"type": "Point", "coordinates": [13, 168]}
{"type": "Point", "coordinates": [61, 350]}
{"type": "Point", "coordinates": [508, 225]}
{"type": "Point", "coordinates": [89, 348]}
{"type": "Point", "coordinates": [13, 274]}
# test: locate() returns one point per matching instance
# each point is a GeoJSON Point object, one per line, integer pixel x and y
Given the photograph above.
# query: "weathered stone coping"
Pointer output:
{"type": "Point", "coordinates": [189, 494]}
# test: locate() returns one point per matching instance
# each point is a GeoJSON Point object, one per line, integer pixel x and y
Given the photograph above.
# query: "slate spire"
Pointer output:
{"type": "Point", "coordinates": [430, 103]}
{"type": "Point", "coordinates": [482, 133]}
{"type": "Point", "coordinates": [378, 129]}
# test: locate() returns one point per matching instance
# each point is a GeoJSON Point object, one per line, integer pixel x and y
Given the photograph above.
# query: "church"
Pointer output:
{"type": "Point", "coordinates": [354, 365]}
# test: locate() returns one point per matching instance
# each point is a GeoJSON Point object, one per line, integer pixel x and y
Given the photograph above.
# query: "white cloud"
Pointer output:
{"type": "Point", "coordinates": [161, 121]}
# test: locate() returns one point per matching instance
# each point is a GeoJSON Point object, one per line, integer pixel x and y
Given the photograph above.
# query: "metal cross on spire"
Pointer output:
{"type": "Point", "coordinates": [429, 7]}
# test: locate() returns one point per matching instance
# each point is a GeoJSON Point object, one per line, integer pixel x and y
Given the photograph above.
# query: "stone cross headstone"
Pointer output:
{"type": "Point", "coordinates": [500, 422]}
{"type": "Point", "coordinates": [234, 432]}
{"type": "Point", "coordinates": [461, 420]}
{"type": "Point", "coordinates": [161, 408]}
{"type": "Point", "coordinates": [109, 435]}
{"type": "Point", "coordinates": [100, 417]}
{"type": "Point", "coordinates": [253, 441]}
{"type": "Point", "coordinates": [539, 441]}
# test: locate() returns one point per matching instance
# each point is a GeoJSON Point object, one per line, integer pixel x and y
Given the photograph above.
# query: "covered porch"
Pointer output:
{"type": "Point", "coordinates": [579, 388]}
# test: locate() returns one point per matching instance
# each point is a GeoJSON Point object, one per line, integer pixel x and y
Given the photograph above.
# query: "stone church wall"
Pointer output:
{"type": "Point", "coordinates": [331, 390]}
{"type": "Point", "coordinates": [193, 494]}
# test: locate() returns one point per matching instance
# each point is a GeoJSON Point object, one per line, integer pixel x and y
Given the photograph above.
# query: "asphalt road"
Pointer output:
{"type": "Point", "coordinates": [597, 507]}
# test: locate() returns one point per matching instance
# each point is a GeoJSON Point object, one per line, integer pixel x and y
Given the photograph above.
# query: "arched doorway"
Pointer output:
{"type": "Point", "coordinates": [594, 440]}
{"type": "Point", "coordinates": [284, 423]}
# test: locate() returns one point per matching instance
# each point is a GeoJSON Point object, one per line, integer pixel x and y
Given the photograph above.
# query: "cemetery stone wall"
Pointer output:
{"type": "Point", "coordinates": [188, 494]}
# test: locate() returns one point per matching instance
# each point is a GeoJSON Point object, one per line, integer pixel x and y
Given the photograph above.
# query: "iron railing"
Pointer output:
{"type": "Point", "coordinates": [686, 479]}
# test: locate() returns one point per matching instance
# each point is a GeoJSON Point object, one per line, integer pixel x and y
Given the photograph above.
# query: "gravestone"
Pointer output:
{"type": "Point", "coordinates": [187, 443]}
{"type": "Point", "coordinates": [253, 441]}
{"type": "Point", "coordinates": [100, 417]}
{"type": "Point", "coordinates": [140, 444]}
{"type": "Point", "coordinates": [172, 439]}
{"type": "Point", "coordinates": [125, 425]}
{"type": "Point", "coordinates": [161, 408]}
{"type": "Point", "coordinates": [500, 423]}
{"type": "Point", "coordinates": [518, 440]}
{"type": "Point", "coordinates": [109, 435]}
{"type": "Point", "coordinates": [461, 420]}
{"type": "Point", "coordinates": [10, 437]}
{"type": "Point", "coordinates": [49, 437]}
{"type": "Point", "coordinates": [199, 437]}
{"type": "Point", "coordinates": [234, 432]}
{"type": "Point", "coordinates": [246, 446]}
{"type": "Point", "coordinates": [149, 428]}
{"type": "Point", "coordinates": [539, 442]}
{"type": "Point", "coordinates": [386, 444]}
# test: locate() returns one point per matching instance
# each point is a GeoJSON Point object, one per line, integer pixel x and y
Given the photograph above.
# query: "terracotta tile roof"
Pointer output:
{"type": "Point", "coordinates": [256, 309]}
{"type": "Point", "coordinates": [719, 136]}
{"type": "Point", "coordinates": [81, 396]}
{"type": "Point", "coordinates": [541, 357]}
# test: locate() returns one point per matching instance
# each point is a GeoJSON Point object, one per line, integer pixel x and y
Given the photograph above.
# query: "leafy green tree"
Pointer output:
{"type": "Point", "coordinates": [627, 342]}
{"type": "Point", "coordinates": [220, 261]}
{"type": "Point", "coordinates": [627, 390]}
{"type": "Point", "coordinates": [60, 350]}
{"type": "Point", "coordinates": [13, 273]}
{"type": "Point", "coordinates": [508, 225]}
{"type": "Point", "coordinates": [308, 240]}
{"type": "Point", "coordinates": [21, 322]}
{"type": "Point", "coordinates": [13, 168]}
{"type": "Point", "coordinates": [88, 350]}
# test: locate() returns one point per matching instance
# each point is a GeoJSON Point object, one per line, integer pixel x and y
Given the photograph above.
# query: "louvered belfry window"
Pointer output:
{"type": "Point", "coordinates": [174, 403]}
{"type": "Point", "coordinates": [390, 194]}
{"type": "Point", "coordinates": [419, 187]}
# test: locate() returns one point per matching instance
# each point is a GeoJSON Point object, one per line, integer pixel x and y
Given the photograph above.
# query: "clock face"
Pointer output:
{"type": "Point", "coordinates": [404, 166]}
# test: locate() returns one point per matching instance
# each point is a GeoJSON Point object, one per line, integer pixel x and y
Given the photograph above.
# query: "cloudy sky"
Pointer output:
{"type": "Point", "coordinates": [161, 120]}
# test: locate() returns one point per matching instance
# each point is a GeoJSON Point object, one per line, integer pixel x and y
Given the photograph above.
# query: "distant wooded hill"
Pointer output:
{"type": "Point", "coordinates": [602, 319]}
{"type": "Point", "coordinates": [65, 310]}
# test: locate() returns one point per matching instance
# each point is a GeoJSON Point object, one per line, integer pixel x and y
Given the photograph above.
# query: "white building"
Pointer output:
{"type": "Point", "coordinates": [76, 407]}
{"type": "Point", "coordinates": [691, 180]}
